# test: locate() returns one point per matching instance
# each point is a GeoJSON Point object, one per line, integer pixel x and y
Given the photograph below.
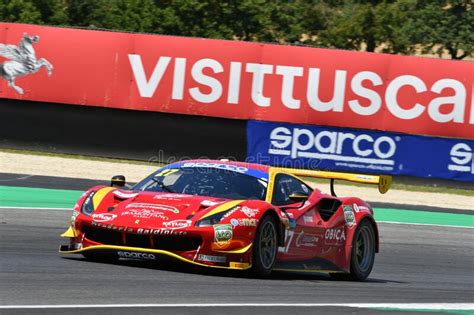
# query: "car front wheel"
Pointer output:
{"type": "Point", "coordinates": [265, 247]}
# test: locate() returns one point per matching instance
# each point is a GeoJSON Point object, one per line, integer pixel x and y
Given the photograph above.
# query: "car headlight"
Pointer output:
{"type": "Point", "coordinates": [88, 206]}
{"type": "Point", "coordinates": [215, 218]}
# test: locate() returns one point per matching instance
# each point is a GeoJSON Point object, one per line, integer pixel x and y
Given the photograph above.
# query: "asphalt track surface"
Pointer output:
{"type": "Point", "coordinates": [417, 264]}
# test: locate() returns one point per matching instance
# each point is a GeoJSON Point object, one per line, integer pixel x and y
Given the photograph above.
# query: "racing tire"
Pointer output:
{"type": "Point", "coordinates": [265, 247]}
{"type": "Point", "coordinates": [100, 257]}
{"type": "Point", "coordinates": [362, 254]}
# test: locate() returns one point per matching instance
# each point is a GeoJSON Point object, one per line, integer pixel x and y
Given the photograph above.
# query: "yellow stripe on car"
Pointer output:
{"type": "Point", "coordinates": [223, 207]}
{"type": "Point", "coordinates": [236, 251]}
{"type": "Point", "coordinates": [99, 195]}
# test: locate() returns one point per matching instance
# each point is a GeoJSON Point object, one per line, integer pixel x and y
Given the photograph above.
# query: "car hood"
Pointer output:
{"type": "Point", "coordinates": [153, 209]}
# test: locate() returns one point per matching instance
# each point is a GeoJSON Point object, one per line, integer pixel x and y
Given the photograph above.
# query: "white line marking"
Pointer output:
{"type": "Point", "coordinates": [36, 208]}
{"type": "Point", "coordinates": [427, 224]}
{"type": "Point", "coordinates": [401, 306]}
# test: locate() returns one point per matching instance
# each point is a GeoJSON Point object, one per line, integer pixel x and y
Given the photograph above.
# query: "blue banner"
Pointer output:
{"type": "Point", "coordinates": [360, 151]}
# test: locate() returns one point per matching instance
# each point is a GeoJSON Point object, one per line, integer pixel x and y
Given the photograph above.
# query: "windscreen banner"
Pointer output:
{"type": "Point", "coordinates": [359, 151]}
{"type": "Point", "coordinates": [238, 80]}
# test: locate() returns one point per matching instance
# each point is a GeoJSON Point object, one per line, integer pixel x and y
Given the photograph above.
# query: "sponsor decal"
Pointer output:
{"type": "Point", "coordinates": [103, 217]}
{"type": "Point", "coordinates": [222, 234]}
{"type": "Point", "coordinates": [227, 167]}
{"type": "Point", "coordinates": [306, 240]}
{"type": "Point", "coordinates": [147, 256]}
{"type": "Point", "coordinates": [308, 219]}
{"type": "Point", "coordinates": [358, 208]}
{"type": "Point", "coordinates": [335, 234]}
{"type": "Point", "coordinates": [145, 214]}
{"type": "Point", "coordinates": [171, 196]}
{"type": "Point", "coordinates": [244, 222]}
{"type": "Point", "coordinates": [124, 195]}
{"type": "Point", "coordinates": [152, 206]}
{"type": "Point", "coordinates": [168, 232]}
{"type": "Point", "coordinates": [177, 224]}
{"type": "Point", "coordinates": [364, 149]}
{"type": "Point", "coordinates": [214, 259]}
{"type": "Point", "coordinates": [462, 158]}
{"type": "Point", "coordinates": [359, 151]}
{"type": "Point", "coordinates": [22, 61]}
{"type": "Point", "coordinates": [210, 203]}
{"type": "Point", "coordinates": [349, 216]}
{"type": "Point", "coordinates": [112, 227]}
{"type": "Point", "coordinates": [251, 213]}
{"type": "Point", "coordinates": [229, 213]}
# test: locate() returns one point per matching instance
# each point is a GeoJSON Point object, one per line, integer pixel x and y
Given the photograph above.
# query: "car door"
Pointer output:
{"type": "Point", "coordinates": [301, 240]}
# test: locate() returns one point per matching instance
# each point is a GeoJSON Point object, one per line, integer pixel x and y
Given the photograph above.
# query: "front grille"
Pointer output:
{"type": "Point", "coordinates": [177, 243]}
{"type": "Point", "coordinates": [103, 236]}
{"type": "Point", "coordinates": [169, 243]}
{"type": "Point", "coordinates": [137, 240]}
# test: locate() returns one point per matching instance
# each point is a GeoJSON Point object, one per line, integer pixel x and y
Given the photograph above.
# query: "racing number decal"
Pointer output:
{"type": "Point", "coordinates": [288, 238]}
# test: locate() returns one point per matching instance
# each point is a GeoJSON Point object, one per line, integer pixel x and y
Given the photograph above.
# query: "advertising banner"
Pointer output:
{"type": "Point", "coordinates": [238, 80]}
{"type": "Point", "coordinates": [359, 151]}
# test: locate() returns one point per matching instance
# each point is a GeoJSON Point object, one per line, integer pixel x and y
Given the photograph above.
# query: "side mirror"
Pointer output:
{"type": "Point", "coordinates": [117, 181]}
{"type": "Point", "coordinates": [299, 196]}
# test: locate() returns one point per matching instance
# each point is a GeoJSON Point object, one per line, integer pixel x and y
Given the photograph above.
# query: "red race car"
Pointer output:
{"type": "Point", "coordinates": [230, 215]}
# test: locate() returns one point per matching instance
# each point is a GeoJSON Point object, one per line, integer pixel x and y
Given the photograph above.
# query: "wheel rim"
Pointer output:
{"type": "Point", "coordinates": [267, 244]}
{"type": "Point", "coordinates": [364, 249]}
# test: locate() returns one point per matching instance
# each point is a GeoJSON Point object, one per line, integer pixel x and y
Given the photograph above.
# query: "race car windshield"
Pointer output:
{"type": "Point", "coordinates": [202, 181]}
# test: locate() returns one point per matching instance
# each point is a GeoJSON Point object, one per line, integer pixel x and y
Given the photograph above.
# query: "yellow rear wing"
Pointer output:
{"type": "Point", "coordinates": [382, 181]}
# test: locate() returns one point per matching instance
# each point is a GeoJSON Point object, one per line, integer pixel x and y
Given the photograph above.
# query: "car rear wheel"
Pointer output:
{"type": "Point", "coordinates": [265, 247]}
{"type": "Point", "coordinates": [362, 255]}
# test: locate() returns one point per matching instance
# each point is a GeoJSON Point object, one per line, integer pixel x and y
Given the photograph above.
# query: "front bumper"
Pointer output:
{"type": "Point", "coordinates": [204, 255]}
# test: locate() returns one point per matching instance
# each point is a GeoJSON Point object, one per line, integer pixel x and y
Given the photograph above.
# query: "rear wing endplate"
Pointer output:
{"type": "Point", "coordinates": [382, 181]}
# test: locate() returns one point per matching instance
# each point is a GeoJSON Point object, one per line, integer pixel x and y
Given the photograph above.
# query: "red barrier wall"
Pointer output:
{"type": "Point", "coordinates": [246, 80]}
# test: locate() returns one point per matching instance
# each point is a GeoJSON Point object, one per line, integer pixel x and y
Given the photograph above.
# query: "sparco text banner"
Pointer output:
{"type": "Point", "coordinates": [326, 148]}
{"type": "Point", "coordinates": [235, 79]}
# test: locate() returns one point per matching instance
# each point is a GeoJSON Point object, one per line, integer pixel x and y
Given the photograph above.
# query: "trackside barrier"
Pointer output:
{"type": "Point", "coordinates": [238, 80]}
{"type": "Point", "coordinates": [359, 151]}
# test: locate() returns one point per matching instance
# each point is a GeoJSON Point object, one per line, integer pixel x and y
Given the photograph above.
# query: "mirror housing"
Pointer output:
{"type": "Point", "coordinates": [117, 181]}
{"type": "Point", "coordinates": [299, 196]}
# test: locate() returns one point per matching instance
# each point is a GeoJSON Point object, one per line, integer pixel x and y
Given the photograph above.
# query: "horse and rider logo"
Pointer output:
{"type": "Point", "coordinates": [22, 61]}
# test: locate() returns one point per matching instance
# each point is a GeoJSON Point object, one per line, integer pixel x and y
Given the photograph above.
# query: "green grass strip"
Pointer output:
{"type": "Point", "coordinates": [423, 217]}
{"type": "Point", "coordinates": [38, 197]}
{"type": "Point", "coordinates": [60, 198]}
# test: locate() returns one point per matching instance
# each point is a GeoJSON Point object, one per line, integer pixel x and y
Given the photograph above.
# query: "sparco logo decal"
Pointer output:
{"type": "Point", "coordinates": [363, 149]}
{"type": "Point", "coordinates": [136, 255]}
{"type": "Point", "coordinates": [462, 158]}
